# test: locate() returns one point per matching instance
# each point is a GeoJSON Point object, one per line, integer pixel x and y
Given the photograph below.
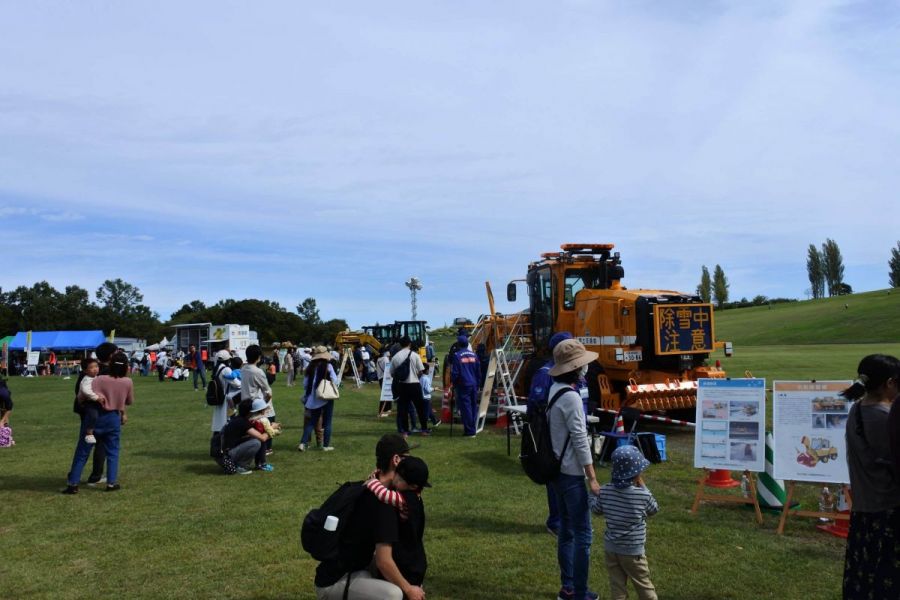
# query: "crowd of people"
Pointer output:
{"type": "Point", "coordinates": [381, 551]}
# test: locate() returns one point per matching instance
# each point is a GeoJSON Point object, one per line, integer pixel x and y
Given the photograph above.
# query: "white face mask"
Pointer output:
{"type": "Point", "coordinates": [584, 370]}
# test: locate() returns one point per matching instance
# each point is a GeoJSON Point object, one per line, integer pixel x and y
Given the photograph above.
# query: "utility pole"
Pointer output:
{"type": "Point", "coordinates": [414, 286]}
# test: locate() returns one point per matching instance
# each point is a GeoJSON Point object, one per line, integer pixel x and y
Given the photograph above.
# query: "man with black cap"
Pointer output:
{"type": "Point", "coordinates": [374, 530]}
{"type": "Point", "coordinates": [465, 370]}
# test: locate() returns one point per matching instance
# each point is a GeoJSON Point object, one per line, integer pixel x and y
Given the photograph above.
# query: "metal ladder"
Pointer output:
{"type": "Point", "coordinates": [508, 361]}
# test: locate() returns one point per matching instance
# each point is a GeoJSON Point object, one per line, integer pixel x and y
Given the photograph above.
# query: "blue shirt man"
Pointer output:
{"type": "Point", "coordinates": [466, 371]}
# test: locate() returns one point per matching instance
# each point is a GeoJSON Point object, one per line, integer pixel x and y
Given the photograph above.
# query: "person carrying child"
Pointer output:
{"type": "Point", "coordinates": [91, 402]}
{"type": "Point", "coordinates": [260, 422]}
{"type": "Point", "coordinates": [626, 503]}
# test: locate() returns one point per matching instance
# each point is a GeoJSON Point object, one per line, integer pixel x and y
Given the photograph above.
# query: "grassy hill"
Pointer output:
{"type": "Point", "coordinates": [870, 317]}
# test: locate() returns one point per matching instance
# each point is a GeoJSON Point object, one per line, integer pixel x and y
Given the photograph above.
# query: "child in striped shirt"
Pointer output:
{"type": "Point", "coordinates": [626, 503]}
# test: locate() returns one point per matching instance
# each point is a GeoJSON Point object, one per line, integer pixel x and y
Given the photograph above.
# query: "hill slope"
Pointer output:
{"type": "Point", "coordinates": [870, 317]}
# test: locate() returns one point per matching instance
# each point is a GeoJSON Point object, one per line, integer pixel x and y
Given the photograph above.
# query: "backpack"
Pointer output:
{"type": "Point", "coordinates": [215, 393]}
{"type": "Point", "coordinates": [401, 373]}
{"type": "Point", "coordinates": [537, 457]}
{"type": "Point", "coordinates": [319, 542]}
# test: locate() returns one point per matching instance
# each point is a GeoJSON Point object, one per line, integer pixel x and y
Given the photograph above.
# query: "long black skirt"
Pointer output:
{"type": "Point", "coordinates": [871, 567]}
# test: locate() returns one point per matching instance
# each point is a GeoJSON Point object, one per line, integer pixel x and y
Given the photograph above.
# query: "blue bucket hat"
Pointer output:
{"type": "Point", "coordinates": [627, 463]}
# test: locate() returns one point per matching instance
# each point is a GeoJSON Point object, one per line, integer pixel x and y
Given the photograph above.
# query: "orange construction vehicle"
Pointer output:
{"type": "Point", "coordinates": [653, 344]}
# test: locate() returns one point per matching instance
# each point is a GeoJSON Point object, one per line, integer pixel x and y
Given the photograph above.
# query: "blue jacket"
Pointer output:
{"type": "Point", "coordinates": [466, 369]}
{"type": "Point", "coordinates": [541, 381]}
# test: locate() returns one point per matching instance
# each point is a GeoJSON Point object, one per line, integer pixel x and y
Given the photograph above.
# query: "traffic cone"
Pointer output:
{"type": "Point", "coordinates": [721, 478]}
{"type": "Point", "coordinates": [502, 415]}
{"type": "Point", "coordinates": [839, 527]}
{"type": "Point", "coordinates": [446, 415]}
{"type": "Point", "coordinates": [620, 424]}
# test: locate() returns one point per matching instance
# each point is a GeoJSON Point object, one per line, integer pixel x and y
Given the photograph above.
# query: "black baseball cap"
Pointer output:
{"type": "Point", "coordinates": [414, 471]}
{"type": "Point", "coordinates": [391, 444]}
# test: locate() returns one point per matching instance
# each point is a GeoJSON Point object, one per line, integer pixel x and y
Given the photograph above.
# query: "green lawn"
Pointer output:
{"type": "Point", "coordinates": [180, 529]}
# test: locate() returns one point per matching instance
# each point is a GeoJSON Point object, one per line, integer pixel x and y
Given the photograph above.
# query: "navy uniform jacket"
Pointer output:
{"type": "Point", "coordinates": [466, 369]}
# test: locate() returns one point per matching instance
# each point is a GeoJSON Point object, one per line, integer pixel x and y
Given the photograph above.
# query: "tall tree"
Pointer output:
{"type": "Point", "coordinates": [720, 287]}
{"type": "Point", "coordinates": [833, 264]}
{"type": "Point", "coordinates": [309, 312]}
{"type": "Point", "coordinates": [704, 290]}
{"type": "Point", "coordinates": [119, 297]}
{"type": "Point", "coordinates": [894, 264]}
{"type": "Point", "coordinates": [815, 270]}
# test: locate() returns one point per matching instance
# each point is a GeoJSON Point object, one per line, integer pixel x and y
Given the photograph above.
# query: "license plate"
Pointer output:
{"type": "Point", "coordinates": [633, 356]}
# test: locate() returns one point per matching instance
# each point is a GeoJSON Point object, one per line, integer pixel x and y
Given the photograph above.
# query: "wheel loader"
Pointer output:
{"type": "Point", "coordinates": [653, 344]}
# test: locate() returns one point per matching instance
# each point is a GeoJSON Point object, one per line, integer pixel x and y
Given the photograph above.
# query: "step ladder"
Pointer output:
{"type": "Point", "coordinates": [348, 357]}
{"type": "Point", "coordinates": [506, 364]}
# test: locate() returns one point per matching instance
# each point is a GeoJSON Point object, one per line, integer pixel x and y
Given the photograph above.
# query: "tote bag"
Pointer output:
{"type": "Point", "coordinates": [326, 390]}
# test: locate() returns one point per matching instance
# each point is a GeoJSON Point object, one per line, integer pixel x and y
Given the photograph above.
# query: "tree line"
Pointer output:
{"type": "Point", "coordinates": [824, 268]}
{"type": "Point", "coordinates": [118, 305]}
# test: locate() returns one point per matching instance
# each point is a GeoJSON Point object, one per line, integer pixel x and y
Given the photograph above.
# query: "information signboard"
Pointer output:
{"type": "Point", "coordinates": [809, 420]}
{"type": "Point", "coordinates": [731, 419]}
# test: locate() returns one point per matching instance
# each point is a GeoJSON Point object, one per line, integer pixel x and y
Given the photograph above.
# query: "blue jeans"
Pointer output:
{"type": "Point", "coordinates": [201, 373]}
{"type": "Point", "coordinates": [107, 431]}
{"type": "Point", "coordinates": [575, 533]}
{"type": "Point", "coordinates": [552, 509]}
{"type": "Point", "coordinates": [326, 411]}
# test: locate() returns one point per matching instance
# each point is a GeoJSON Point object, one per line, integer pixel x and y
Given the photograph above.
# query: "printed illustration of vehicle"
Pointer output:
{"type": "Point", "coordinates": [814, 450]}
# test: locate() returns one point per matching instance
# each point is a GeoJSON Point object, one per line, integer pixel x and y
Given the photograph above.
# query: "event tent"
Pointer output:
{"type": "Point", "coordinates": [7, 340]}
{"type": "Point", "coordinates": [59, 340]}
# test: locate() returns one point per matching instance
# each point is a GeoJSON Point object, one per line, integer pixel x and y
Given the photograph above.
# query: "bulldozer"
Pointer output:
{"type": "Point", "coordinates": [653, 344]}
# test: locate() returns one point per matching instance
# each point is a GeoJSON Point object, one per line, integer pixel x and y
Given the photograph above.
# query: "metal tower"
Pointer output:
{"type": "Point", "coordinates": [414, 286]}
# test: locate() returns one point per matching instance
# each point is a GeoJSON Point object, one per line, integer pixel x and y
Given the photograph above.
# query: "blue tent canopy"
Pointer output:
{"type": "Point", "coordinates": [59, 340]}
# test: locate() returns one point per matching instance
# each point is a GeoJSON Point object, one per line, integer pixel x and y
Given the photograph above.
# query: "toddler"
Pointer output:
{"type": "Point", "coordinates": [262, 424]}
{"type": "Point", "coordinates": [90, 401]}
{"type": "Point", "coordinates": [425, 380]}
{"type": "Point", "coordinates": [626, 503]}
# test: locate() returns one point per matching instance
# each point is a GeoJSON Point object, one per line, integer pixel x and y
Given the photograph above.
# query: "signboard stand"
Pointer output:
{"type": "Point", "coordinates": [387, 394]}
{"type": "Point", "coordinates": [702, 494]}
{"type": "Point", "coordinates": [837, 530]}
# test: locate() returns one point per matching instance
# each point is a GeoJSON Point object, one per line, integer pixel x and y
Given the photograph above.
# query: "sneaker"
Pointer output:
{"type": "Point", "coordinates": [565, 594]}
{"type": "Point", "coordinates": [265, 467]}
{"type": "Point", "coordinates": [301, 447]}
{"type": "Point", "coordinates": [90, 439]}
{"type": "Point", "coordinates": [113, 487]}
{"type": "Point", "coordinates": [92, 483]}
{"type": "Point", "coordinates": [242, 471]}
{"type": "Point", "coordinates": [327, 448]}
{"type": "Point", "coordinates": [436, 424]}
{"type": "Point", "coordinates": [70, 489]}
{"type": "Point", "coordinates": [269, 451]}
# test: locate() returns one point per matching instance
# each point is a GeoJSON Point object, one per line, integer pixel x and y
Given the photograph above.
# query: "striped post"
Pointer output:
{"type": "Point", "coordinates": [620, 424]}
{"type": "Point", "coordinates": [770, 491]}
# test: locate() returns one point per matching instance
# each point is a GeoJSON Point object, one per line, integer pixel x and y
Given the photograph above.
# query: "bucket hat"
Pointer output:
{"type": "Point", "coordinates": [627, 463]}
{"type": "Point", "coordinates": [258, 405]}
{"type": "Point", "coordinates": [570, 355]}
{"type": "Point", "coordinates": [321, 352]}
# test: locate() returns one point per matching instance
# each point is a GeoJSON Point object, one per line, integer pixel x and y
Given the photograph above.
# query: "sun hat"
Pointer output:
{"type": "Point", "coordinates": [258, 405]}
{"type": "Point", "coordinates": [627, 463]}
{"type": "Point", "coordinates": [414, 471]}
{"type": "Point", "coordinates": [321, 352]}
{"type": "Point", "coordinates": [559, 337]}
{"type": "Point", "coordinates": [570, 355]}
{"type": "Point", "coordinates": [223, 355]}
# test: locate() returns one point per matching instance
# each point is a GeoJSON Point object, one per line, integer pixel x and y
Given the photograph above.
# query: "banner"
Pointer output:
{"type": "Point", "coordinates": [731, 418]}
{"type": "Point", "coordinates": [809, 420]}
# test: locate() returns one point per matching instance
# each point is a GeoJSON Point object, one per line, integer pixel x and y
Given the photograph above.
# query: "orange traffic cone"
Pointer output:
{"type": "Point", "coordinates": [721, 478]}
{"type": "Point", "coordinates": [502, 415]}
{"type": "Point", "coordinates": [620, 424]}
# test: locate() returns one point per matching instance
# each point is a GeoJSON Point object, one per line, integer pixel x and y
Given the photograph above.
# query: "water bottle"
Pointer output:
{"type": "Point", "coordinates": [745, 485]}
{"type": "Point", "coordinates": [826, 503]}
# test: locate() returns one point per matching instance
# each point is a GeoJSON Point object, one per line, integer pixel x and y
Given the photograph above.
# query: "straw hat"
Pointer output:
{"type": "Point", "coordinates": [570, 355]}
{"type": "Point", "coordinates": [321, 352]}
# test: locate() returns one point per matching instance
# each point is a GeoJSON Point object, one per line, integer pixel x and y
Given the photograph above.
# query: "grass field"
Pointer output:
{"type": "Point", "coordinates": [180, 529]}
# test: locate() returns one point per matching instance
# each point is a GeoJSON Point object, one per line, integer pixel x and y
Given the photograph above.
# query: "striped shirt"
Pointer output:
{"type": "Point", "coordinates": [626, 512]}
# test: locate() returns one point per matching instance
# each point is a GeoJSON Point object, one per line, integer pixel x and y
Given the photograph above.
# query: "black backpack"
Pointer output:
{"type": "Point", "coordinates": [537, 457]}
{"type": "Point", "coordinates": [215, 393]}
{"type": "Point", "coordinates": [319, 542]}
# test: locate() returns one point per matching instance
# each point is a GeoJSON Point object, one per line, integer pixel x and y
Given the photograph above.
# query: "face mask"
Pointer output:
{"type": "Point", "coordinates": [584, 370]}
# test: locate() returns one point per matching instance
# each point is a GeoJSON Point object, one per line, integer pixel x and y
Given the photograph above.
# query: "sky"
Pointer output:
{"type": "Point", "coordinates": [282, 150]}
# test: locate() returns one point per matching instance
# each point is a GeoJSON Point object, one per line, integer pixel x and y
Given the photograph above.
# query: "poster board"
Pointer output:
{"type": "Point", "coordinates": [809, 421]}
{"type": "Point", "coordinates": [731, 419]}
{"type": "Point", "coordinates": [386, 394]}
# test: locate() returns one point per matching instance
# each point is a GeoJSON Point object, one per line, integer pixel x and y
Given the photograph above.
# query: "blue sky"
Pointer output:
{"type": "Point", "coordinates": [282, 150]}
